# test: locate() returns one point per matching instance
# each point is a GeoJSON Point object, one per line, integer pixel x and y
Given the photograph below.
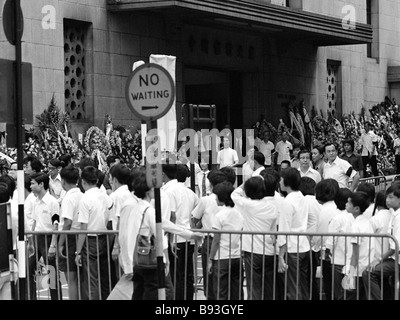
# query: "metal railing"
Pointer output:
{"type": "Point", "coordinates": [310, 275]}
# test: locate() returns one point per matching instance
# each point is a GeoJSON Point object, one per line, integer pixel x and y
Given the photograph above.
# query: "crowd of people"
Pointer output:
{"type": "Point", "coordinates": [242, 216]}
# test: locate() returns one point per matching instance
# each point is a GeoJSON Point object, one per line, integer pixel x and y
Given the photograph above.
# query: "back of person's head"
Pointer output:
{"type": "Point", "coordinates": [350, 142]}
{"type": "Point", "coordinates": [380, 201]}
{"type": "Point", "coordinates": [55, 163]}
{"type": "Point", "coordinates": [270, 185]}
{"type": "Point", "coordinates": [65, 159]}
{"type": "Point", "coordinates": [100, 178]}
{"type": "Point", "coordinates": [138, 184]}
{"type": "Point", "coordinates": [307, 186]}
{"type": "Point", "coordinates": [216, 176]}
{"type": "Point", "coordinates": [274, 173]}
{"type": "Point", "coordinates": [41, 177]}
{"type": "Point", "coordinates": [36, 165]}
{"type": "Point", "coordinates": [254, 188]}
{"type": "Point", "coordinates": [223, 191]}
{"type": "Point", "coordinates": [110, 160]}
{"type": "Point", "coordinates": [341, 198]}
{"type": "Point", "coordinates": [182, 172]}
{"type": "Point", "coordinates": [395, 189]}
{"type": "Point", "coordinates": [291, 178]}
{"type": "Point", "coordinates": [326, 190]}
{"type": "Point", "coordinates": [230, 174]}
{"type": "Point", "coordinates": [10, 182]}
{"type": "Point", "coordinates": [169, 170]}
{"type": "Point", "coordinates": [360, 199]}
{"type": "Point", "coordinates": [120, 172]}
{"type": "Point", "coordinates": [86, 162]}
{"type": "Point", "coordinates": [4, 192]}
{"type": "Point", "coordinates": [259, 157]}
{"type": "Point", "coordinates": [70, 174]}
{"type": "Point", "coordinates": [27, 182]}
{"type": "Point", "coordinates": [369, 189]}
{"type": "Point", "coordinates": [89, 174]}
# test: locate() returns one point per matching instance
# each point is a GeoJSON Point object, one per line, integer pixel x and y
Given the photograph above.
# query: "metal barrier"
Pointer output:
{"type": "Point", "coordinates": [380, 182]}
{"type": "Point", "coordinates": [308, 275]}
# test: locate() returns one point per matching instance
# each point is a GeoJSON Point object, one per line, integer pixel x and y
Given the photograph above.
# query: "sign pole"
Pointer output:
{"type": "Point", "coordinates": [159, 231]}
{"type": "Point", "coordinates": [20, 154]}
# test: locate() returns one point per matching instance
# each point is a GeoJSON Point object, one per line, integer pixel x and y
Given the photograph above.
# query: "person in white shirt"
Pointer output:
{"type": "Point", "coordinates": [325, 192]}
{"type": "Point", "coordinates": [69, 218]}
{"type": "Point", "coordinates": [369, 143]}
{"type": "Point", "coordinates": [363, 250]}
{"type": "Point", "coordinates": [266, 147]}
{"type": "Point", "coordinates": [46, 217]}
{"type": "Point", "coordinates": [307, 188]}
{"type": "Point", "coordinates": [225, 256]}
{"type": "Point", "coordinates": [246, 167]}
{"type": "Point", "coordinates": [384, 266]}
{"type": "Point", "coordinates": [203, 187]}
{"type": "Point", "coordinates": [55, 188]}
{"type": "Point", "coordinates": [255, 201]}
{"type": "Point", "coordinates": [183, 201]}
{"type": "Point", "coordinates": [257, 163]}
{"type": "Point", "coordinates": [369, 189]}
{"type": "Point", "coordinates": [91, 250]}
{"type": "Point", "coordinates": [305, 166]}
{"type": "Point", "coordinates": [203, 218]}
{"type": "Point", "coordinates": [338, 247]}
{"type": "Point", "coordinates": [294, 251]}
{"type": "Point", "coordinates": [396, 147]}
{"type": "Point", "coordinates": [339, 169]}
{"type": "Point", "coordinates": [283, 149]}
{"type": "Point", "coordinates": [227, 156]}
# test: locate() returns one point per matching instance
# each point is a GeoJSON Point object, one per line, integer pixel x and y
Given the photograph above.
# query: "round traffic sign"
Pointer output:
{"type": "Point", "coordinates": [9, 22]}
{"type": "Point", "coordinates": [150, 91]}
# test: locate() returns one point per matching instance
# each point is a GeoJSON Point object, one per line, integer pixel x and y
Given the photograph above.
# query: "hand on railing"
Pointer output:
{"type": "Point", "coordinates": [61, 251]}
{"type": "Point", "coordinates": [115, 253]}
{"type": "Point", "coordinates": [52, 251]}
{"type": "Point", "coordinates": [373, 264]}
{"type": "Point", "coordinates": [209, 266]}
{"type": "Point", "coordinates": [282, 266]}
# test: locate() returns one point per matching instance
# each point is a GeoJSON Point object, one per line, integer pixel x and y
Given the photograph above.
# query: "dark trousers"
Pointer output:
{"type": "Point", "coordinates": [182, 272]}
{"type": "Point", "coordinates": [338, 291]}
{"type": "Point", "coordinates": [261, 276]}
{"type": "Point", "coordinates": [297, 276]}
{"type": "Point", "coordinates": [372, 162]}
{"type": "Point", "coordinates": [207, 277]}
{"type": "Point", "coordinates": [314, 283]}
{"type": "Point", "coordinates": [228, 279]}
{"type": "Point", "coordinates": [94, 259]}
{"type": "Point", "coordinates": [372, 280]}
{"type": "Point", "coordinates": [326, 270]}
{"type": "Point", "coordinates": [43, 244]}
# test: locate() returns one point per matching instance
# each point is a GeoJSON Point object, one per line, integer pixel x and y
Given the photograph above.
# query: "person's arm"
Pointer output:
{"type": "Point", "coordinates": [282, 266]}
{"type": "Point", "coordinates": [55, 218]}
{"type": "Point", "coordinates": [354, 183]}
{"type": "Point", "coordinates": [79, 244]}
{"type": "Point", "coordinates": [214, 248]}
{"type": "Point", "coordinates": [354, 257]}
{"type": "Point", "coordinates": [66, 226]}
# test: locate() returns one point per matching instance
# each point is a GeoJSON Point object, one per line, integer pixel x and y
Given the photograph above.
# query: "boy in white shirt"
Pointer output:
{"type": "Point", "coordinates": [363, 250]}
{"type": "Point", "coordinates": [227, 156]}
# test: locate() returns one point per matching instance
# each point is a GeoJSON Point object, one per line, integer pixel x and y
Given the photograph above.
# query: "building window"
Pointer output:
{"type": "Point", "coordinates": [74, 69]}
{"type": "Point", "coordinates": [372, 12]}
{"type": "Point", "coordinates": [333, 88]}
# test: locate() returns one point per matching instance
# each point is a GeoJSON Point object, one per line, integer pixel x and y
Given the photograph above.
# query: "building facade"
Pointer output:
{"type": "Point", "coordinates": [245, 57]}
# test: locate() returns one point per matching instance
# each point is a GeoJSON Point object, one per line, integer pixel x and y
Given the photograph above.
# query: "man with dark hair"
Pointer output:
{"type": "Point", "coordinates": [285, 164]}
{"type": "Point", "coordinates": [294, 251]}
{"type": "Point", "coordinates": [257, 163]}
{"type": "Point", "coordinates": [230, 174]}
{"type": "Point", "coordinates": [305, 168]}
{"type": "Point", "coordinates": [339, 169]}
{"type": "Point", "coordinates": [111, 161]}
{"type": "Point", "coordinates": [91, 251]}
{"type": "Point", "coordinates": [369, 189]}
{"type": "Point", "coordinates": [69, 215]}
{"type": "Point", "coordinates": [32, 165]}
{"type": "Point", "coordinates": [352, 158]}
{"type": "Point", "coordinates": [45, 215]}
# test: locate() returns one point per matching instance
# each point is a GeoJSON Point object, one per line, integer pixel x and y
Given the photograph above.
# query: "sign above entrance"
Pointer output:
{"type": "Point", "coordinates": [150, 91]}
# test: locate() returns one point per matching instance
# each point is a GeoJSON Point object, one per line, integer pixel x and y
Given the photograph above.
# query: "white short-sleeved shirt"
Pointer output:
{"type": "Point", "coordinates": [207, 211]}
{"type": "Point", "coordinates": [328, 211]}
{"type": "Point", "coordinates": [396, 146]}
{"type": "Point", "coordinates": [294, 218]}
{"type": "Point", "coordinates": [311, 173]}
{"type": "Point", "coordinates": [94, 209]}
{"type": "Point", "coordinates": [228, 219]}
{"type": "Point", "coordinates": [369, 211]}
{"type": "Point", "coordinates": [227, 157]}
{"type": "Point", "coordinates": [283, 150]}
{"type": "Point", "coordinates": [367, 141]}
{"type": "Point", "coordinates": [70, 207]}
{"type": "Point", "coordinates": [42, 211]}
{"type": "Point", "coordinates": [56, 189]}
{"type": "Point", "coordinates": [259, 216]}
{"type": "Point", "coordinates": [182, 201]}
{"type": "Point", "coordinates": [266, 149]}
{"type": "Point", "coordinates": [381, 225]}
{"type": "Point", "coordinates": [340, 246]}
{"type": "Point", "coordinates": [314, 210]}
{"type": "Point", "coordinates": [362, 224]}
{"type": "Point", "coordinates": [394, 228]}
{"type": "Point", "coordinates": [246, 171]}
{"type": "Point", "coordinates": [118, 197]}
{"type": "Point", "coordinates": [257, 172]}
{"type": "Point", "coordinates": [339, 170]}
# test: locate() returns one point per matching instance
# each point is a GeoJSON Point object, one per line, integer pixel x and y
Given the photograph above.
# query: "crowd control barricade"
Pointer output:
{"type": "Point", "coordinates": [239, 275]}
{"type": "Point", "coordinates": [380, 182]}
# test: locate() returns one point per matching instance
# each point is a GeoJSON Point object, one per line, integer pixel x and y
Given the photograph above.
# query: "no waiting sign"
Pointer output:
{"type": "Point", "coordinates": [150, 91]}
